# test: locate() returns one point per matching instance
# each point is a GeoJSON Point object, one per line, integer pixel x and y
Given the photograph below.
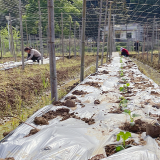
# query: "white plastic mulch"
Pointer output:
{"type": "Point", "coordinates": [12, 64]}
{"type": "Point", "coordinates": [74, 139]}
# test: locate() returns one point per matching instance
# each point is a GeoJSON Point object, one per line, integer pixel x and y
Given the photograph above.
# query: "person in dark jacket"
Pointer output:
{"type": "Point", "coordinates": [124, 52]}
{"type": "Point", "coordinates": [33, 54]}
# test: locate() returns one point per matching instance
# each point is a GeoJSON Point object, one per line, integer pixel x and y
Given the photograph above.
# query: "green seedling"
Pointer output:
{"type": "Point", "coordinates": [124, 80]}
{"type": "Point", "coordinates": [132, 116]}
{"type": "Point", "coordinates": [121, 73]}
{"type": "Point", "coordinates": [45, 82]}
{"type": "Point", "coordinates": [124, 88]}
{"type": "Point", "coordinates": [121, 60]}
{"type": "Point", "coordinates": [123, 102]}
{"type": "Point", "coordinates": [124, 137]}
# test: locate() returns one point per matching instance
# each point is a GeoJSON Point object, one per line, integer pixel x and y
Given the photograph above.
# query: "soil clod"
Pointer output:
{"type": "Point", "coordinates": [40, 121]}
{"type": "Point", "coordinates": [10, 158]}
{"type": "Point", "coordinates": [6, 133]}
{"type": "Point", "coordinates": [139, 127]}
{"type": "Point", "coordinates": [32, 132]}
{"type": "Point", "coordinates": [105, 72]}
{"type": "Point", "coordinates": [58, 103]}
{"type": "Point", "coordinates": [70, 103]}
{"type": "Point", "coordinates": [93, 84]}
{"type": "Point", "coordinates": [77, 92]}
{"type": "Point", "coordinates": [153, 130]}
{"type": "Point", "coordinates": [97, 101]}
{"type": "Point", "coordinates": [117, 111]}
{"type": "Point", "coordinates": [98, 157]}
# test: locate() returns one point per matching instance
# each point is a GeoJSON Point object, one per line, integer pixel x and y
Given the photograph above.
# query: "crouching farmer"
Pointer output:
{"type": "Point", "coordinates": [124, 52]}
{"type": "Point", "coordinates": [33, 54]}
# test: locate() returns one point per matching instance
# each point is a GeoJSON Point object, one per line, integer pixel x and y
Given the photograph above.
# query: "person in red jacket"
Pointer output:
{"type": "Point", "coordinates": [124, 52]}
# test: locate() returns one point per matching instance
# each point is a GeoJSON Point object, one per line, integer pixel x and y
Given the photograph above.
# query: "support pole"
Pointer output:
{"type": "Point", "coordinates": [147, 39]}
{"type": "Point", "coordinates": [70, 40]}
{"type": "Point", "coordinates": [52, 58]}
{"type": "Point", "coordinates": [30, 40]}
{"type": "Point", "coordinates": [105, 24]}
{"type": "Point", "coordinates": [1, 47]}
{"type": "Point", "coordinates": [26, 32]}
{"type": "Point", "coordinates": [83, 40]}
{"type": "Point", "coordinates": [40, 32]}
{"type": "Point", "coordinates": [144, 41]}
{"type": "Point", "coordinates": [75, 39]}
{"type": "Point", "coordinates": [114, 46]}
{"type": "Point", "coordinates": [158, 49]}
{"type": "Point", "coordinates": [80, 40]}
{"type": "Point", "coordinates": [99, 32]}
{"type": "Point", "coordinates": [153, 40]}
{"type": "Point", "coordinates": [21, 31]}
{"type": "Point", "coordinates": [109, 28]}
{"type": "Point", "coordinates": [62, 35]}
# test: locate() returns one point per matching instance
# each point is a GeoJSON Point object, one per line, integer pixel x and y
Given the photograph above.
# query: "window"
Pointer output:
{"type": "Point", "coordinates": [118, 35]}
{"type": "Point", "coordinates": [129, 35]}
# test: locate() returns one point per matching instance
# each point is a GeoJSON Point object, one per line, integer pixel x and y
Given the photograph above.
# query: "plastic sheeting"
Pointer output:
{"type": "Point", "coordinates": [74, 139]}
{"type": "Point", "coordinates": [12, 64]}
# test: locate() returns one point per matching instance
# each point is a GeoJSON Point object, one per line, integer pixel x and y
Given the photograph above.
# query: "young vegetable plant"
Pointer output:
{"type": "Point", "coordinates": [124, 137]}
{"type": "Point", "coordinates": [124, 88]}
{"type": "Point", "coordinates": [123, 102]}
{"type": "Point", "coordinates": [124, 80]}
{"type": "Point", "coordinates": [121, 73]}
{"type": "Point", "coordinates": [121, 60]}
{"type": "Point", "coordinates": [132, 116]}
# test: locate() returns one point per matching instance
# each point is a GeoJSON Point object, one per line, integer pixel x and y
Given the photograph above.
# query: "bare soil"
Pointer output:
{"type": "Point", "coordinates": [111, 149]}
{"type": "Point", "coordinates": [93, 84]}
{"type": "Point", "coordinates": [77, 92]}
{"type": "Point", "coordinates": [63, 113]}
{"type": "Point", "coordinates": [97, 101]}
{"type": "Point", "coordinates": [153, 130]}
{"type": "Point", "coordinates": [17, 85]}
{"type": "Point", "coordinates": [116, 111]}
{"type": "Point", "coordinates": [32, 132]}
{"type": "Point", "coordinates": [138, 128]}
{"type": "Point", "coordinates": [105, 72]}
{"type": "Point", "coordinates": [98, 157]}
{"type": "Point", "coordinates": [10, 158]}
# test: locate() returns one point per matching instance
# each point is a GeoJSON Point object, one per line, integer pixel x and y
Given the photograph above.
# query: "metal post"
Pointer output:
{"type": "Point", "coordinates": [1, 47]}
{"type": "Point", "coordinates": [144, 41]}
{"type": "Point", "coordinates": [147, 40]}
{"type": "Point", "coordinates": [158, 49]}
{"type": "Point", "coordinates": [70, 40]}
{"type": "Point", "coordinates": [75, 39]}
{"type": "Point", "coordinates": [105, 23]}
{"type": "Point", "coordinates": [111, 47]}
{"type": "Point", "coordinates": [62, 35]}
{"type": "Point", "coordinates": [21, 31]}
{"type": "Point", "coordinates": [47, 42]}
{"type": "Point", "coordinates": [99, 32]}
{"type": "Point", "coordinates": [80, 40]}
{"type": "Point", "coordinates": [52, 58]}
{"type": "Point", "coordinates": [114, 46]}
{"type": "Point", "coordinates": [153, 40]}
{"type": "Point", "coordinates": [26, 32]}
{"type": "Point", "coordinates": [30, 40]}
{"type": "Point", "coordinates": [83, 40]}
{"type": "Point", "coordinates": [40, 32]}
{"type": "Point", "coordinates": [109, 28]}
